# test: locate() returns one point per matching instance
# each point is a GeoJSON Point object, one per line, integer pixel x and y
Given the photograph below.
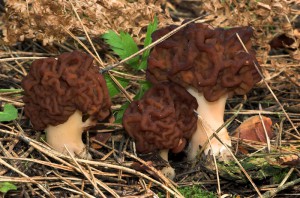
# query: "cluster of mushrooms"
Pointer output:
{"type": "Point", "coordinates": [193, 73]}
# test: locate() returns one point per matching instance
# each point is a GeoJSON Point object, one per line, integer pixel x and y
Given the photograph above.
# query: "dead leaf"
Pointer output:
{"type": "Point", "coordinates": [295, 55]}
{"type": "Point", "coordinates": [45, 20]}
{"type": "Point", "coordinates": [252, 129]}
{"type": "Point", "coordinates": [100, 137]}
{"type": "Point", "coordinates": [282, 41]}
{"type": "Point", "coordinates": [289, 160]}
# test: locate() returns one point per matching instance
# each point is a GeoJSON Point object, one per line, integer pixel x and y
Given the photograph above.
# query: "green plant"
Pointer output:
{"type": "Point", "coordinates": [10, 90]}
{"type": "Point", "coordinates": [9, 113]}
{"type": "Point", "coordinates": [113, 89]}
{"type": "Point", "coordinates": [124, 46]}
{"type": "Point", "coordinates": [7, 186]}
{"type": "Point", "coordinates": [196, 192]}
{"type": "Point", "coordinates": [144, 86]}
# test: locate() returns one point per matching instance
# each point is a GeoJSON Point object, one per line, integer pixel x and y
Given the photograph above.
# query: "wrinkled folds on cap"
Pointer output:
{"type": "Point", "coordinates": [162, 118]}
{"type": "Point", "coordinates": [56, 88]}
{"type": "Point", "coordinates": [211, 60]}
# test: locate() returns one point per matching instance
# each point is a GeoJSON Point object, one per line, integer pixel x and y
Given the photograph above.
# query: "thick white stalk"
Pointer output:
{"type": "Point", "coordinates": [168, 171]}
{"type": "Point", "coordinates": [211, 118]}
{"type": "Point", "coordinates": [69, 134]}
{"type": "Point", "coordinates": [164, 154]}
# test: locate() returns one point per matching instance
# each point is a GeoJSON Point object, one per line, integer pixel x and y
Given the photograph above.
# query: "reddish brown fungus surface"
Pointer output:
{"type": "Point", "coordinates": [56, 88]}
{"type": "Point", "coordinates": [211, 60]}
{"type": "Point", "coordinates": [162, 119]}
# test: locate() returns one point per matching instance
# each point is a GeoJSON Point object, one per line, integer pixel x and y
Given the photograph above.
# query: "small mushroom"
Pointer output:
{"type": "Point", "coordinates": [64, 96]}
{"type": "Point", "coordinates": [212, 65]}
{"type": "Point", "coordinates": [162, 120]}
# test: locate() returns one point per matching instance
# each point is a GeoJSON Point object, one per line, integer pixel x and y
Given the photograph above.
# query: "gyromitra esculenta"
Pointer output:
{"type": "Point", "coordinates": [212, 65]}
{"type": "Point", "coordinates": [162, 120]}
{"type": "Point", "coordinates": [64, 96]}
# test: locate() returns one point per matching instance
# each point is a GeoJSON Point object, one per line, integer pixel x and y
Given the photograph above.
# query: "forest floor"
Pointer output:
{"type": "Point", "coordinates": [32, 30]}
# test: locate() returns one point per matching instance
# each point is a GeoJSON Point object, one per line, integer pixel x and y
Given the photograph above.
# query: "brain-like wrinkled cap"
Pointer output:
{"type": "Point", "coordinates": [55, 88]}
{"type": "Point", "coordinates": [162, 119]}
{"type": "Point", "coordinates": [211, 60]}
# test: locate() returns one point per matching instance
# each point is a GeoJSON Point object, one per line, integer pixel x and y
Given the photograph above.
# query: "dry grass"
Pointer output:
{"type": "Point", "coordinates": [38, 171]}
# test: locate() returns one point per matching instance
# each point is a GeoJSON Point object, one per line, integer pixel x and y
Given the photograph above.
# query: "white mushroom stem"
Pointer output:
{"type": "Point", "coordinates": [69, 135]}
{"type": "Point", "coordinates": [164, 154]}
{"type": "Point", "coordinates": [211, 118]}
{"type": "Point", "coordinates": [168, 171]}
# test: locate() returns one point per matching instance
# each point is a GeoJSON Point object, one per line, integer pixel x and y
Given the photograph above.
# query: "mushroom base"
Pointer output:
{"type": "Point", "coordinates": [211, 117]}
{"type": "Point", "coordinates": [168, 171]}
{"type": "Point", "coordinates": [68, 135]}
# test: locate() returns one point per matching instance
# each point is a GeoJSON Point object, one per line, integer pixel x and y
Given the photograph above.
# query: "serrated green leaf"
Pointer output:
{"type": "Point", "coordinates": [7, 186]}
{"type": "Point", "coordinates": [119, 113]}
{"type": "Point", "coordinates": [148, 40]}
{"type": "Point", "coordinates": [113, 89]}
{"type": "Point", "coordinates": [123, 45]}
{"type": "Point", "coordinates": [9, 113]}
{"type": "Point", "coordinates": [113, 39]}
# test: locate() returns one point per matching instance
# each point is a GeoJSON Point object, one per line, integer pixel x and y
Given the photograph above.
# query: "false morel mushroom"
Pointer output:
{"type": "Point", "coordinates": [162, 120]}
{"type": "Point", "coordinates": [64, 96]}
{"type": "Point", "coordinates": [212, 65]}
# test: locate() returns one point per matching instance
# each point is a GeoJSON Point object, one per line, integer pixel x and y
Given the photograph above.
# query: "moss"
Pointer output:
{"type": "Point", "coordinates": [195, 192]}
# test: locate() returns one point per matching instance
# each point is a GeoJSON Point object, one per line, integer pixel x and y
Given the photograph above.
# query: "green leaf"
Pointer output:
{"type": "Point", "coordinates": [148, 40]}
{"type": "Point", "coordinates": [9, 113]}
{"type": "Point", "coordinates": [113, 89]}
{"type": "Point", "coordinates": [143, 88]}
{"type": "Point", "coordinates": [7, 186]}
{"type": "Point", "coordinates": [123, 45]}
{"type": "Point", "coordinates": [10, 90]}
{"type": "Point", "coordinates": [120, 112]}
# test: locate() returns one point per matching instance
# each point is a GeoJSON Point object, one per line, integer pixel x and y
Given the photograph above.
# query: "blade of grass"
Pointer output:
{"type": "Point", "coordinates": [87, 35]}
{"type": "Point", "coordinates": [265, 130]}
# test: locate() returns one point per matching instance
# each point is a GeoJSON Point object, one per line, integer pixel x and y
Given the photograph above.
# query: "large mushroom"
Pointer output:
{"type": "Point", "coordinates": [64, 96]}
{"type": "Point", "coordinates": [212, 65]}
{"type": "Point", "coordinates": [162, 120]}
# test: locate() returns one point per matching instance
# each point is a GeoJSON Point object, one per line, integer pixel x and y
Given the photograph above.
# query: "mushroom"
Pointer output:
{"type": "Point", "coordinates": [162, 120]}
{"type": "Point", "coordinates": [64, 96]}
{"type": "Point", "coordinates": [212, 65]}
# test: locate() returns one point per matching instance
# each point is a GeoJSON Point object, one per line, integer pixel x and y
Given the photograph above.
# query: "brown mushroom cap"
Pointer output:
{"type": "Point", "coordinates": [162, 118]}
{"type": "Point", "coordinates": [56, 88]}
{"type": "Point", "coordinates": [211, 60]}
